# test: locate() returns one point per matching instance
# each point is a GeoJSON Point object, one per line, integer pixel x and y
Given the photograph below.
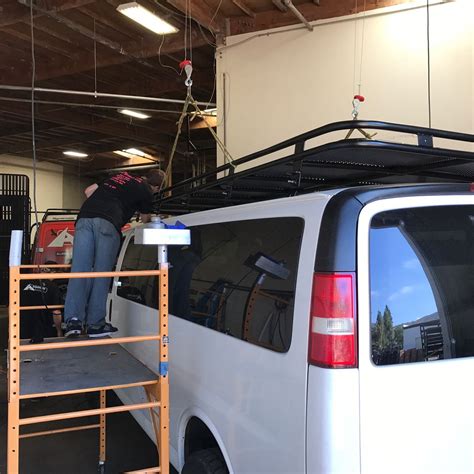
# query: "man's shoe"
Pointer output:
{"type": "Point", "coordinates": [73, 328]}
{"type": "Point", "coordinates": [101, 331]}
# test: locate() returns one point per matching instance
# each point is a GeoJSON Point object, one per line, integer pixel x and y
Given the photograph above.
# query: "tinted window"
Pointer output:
{"type": "Point", "coordinates": [141, 290]}
{"type": "Point", "coordinates": [422, 284]}
{"type": "Point", "coordinates": [237, 278]}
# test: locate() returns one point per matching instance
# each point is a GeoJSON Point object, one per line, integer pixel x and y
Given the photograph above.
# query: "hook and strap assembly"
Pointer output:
{"type": "Point", "coordinates": [356, 102]}
{"type": "Point", "coordinates": [187, 67]}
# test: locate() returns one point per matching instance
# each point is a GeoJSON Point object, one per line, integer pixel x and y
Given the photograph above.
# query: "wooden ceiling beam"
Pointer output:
{"type": "Point", "coordinates": [75, 119]}
{"type": "Point", "coordinates": [14, 131]}
{"type": "Point", "coordinates": [12, 13]}
{"type": "Point", "coordinates": [88, 33]}
{"type": "Point", "coordinates": [81, 62]}
{"type": "Point", "coordinates": [311, 11]}
{"type": "Point", "coordinates": [25, 146]}
{"type": "Point", "coordinates": [201, 13]}
{"type": "Point", "coordinates": [66, 38]}
{"type": "Point", "coordinates": [245, 8]}
{"type": "Point", "coordinates": [49, 45]}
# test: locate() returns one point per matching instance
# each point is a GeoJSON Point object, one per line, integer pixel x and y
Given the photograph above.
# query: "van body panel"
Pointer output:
{"type": "Point", "coordinates": [414, 417]}
{"type": "Point", "coordinates": [259, 411]}
{"type": "Point", "coordinates": [333, 421]}
{"type": "Point", "coordinates": [271, 411]}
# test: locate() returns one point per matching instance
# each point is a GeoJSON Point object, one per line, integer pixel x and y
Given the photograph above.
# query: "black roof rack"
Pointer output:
{"type": "Point", "coordinates": [306, 168]}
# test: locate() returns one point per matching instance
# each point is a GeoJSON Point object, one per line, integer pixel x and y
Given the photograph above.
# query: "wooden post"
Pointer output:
{"type": "Point", "coordinates": [14, 373]}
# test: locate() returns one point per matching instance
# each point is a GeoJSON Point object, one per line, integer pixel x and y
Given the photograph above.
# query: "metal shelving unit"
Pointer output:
{"type": "Point", "coordinates": [64, 367]}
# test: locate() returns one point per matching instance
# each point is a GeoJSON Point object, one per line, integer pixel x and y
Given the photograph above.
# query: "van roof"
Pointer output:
{"type": "Point", "coordinates": [346, 162]}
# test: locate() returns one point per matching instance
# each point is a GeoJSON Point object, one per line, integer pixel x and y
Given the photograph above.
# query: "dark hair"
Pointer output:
{"type": "Point", "coordinates": [155, 177]}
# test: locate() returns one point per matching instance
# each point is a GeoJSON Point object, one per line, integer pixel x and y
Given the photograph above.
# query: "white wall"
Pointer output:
{"type": "Point", "coordinates": [49, 179]}
{"type": "Point", "coordinates": [57, 186]}
{"type": "Point", "coordinates": [280, 85]}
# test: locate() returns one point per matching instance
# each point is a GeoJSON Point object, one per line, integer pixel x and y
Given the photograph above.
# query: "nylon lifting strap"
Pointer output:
{"type": "Point", "coordinates": [198, 112]}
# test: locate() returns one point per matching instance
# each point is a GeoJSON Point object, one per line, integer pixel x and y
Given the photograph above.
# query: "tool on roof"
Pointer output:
{"type": "Point", "coordinates": [356, 101]}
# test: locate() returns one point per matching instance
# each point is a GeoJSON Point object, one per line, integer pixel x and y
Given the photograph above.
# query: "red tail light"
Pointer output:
{"type": "Point", "coordinates": [332, 336]}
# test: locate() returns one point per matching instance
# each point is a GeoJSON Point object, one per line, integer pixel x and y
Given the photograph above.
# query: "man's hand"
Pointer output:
{"type": "Point", "coordinates": [145, 218]}
{"type": "Point", "coordinates": [89, 191]}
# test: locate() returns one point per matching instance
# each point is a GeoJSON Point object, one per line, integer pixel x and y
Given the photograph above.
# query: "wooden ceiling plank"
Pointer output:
{"type": "Point", "coordinates": [245, 8]}
{"type": "Point", "coordinates": [280, 5]}
{"type": "Point", "coordinates": [85, 61]}
{"type": "Point", "coordinates": [88, 33]}
{"type": "Point", "coordinates": [14, 131]}
{"type": "Point", "coordinates": [49, 45]}
{"type": "Point", "coordinates": [201, 13]}
{"type": "Point", "coordinates": [13, 13]}
{"type": "Point", "coordinates": [312, 12]}
{"type": "Point", "coordinates": [66, 38]}
{"type": "Point", "coordinates": [85, 122]}
{"type": "Point", "coordinates": [47, 143]}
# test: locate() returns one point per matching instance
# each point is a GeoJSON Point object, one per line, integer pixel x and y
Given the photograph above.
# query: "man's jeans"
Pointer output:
{"type": "Point", "coordinates": [96, 244]}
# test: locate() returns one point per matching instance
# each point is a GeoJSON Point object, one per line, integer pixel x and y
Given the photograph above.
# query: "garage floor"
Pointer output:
{"type": "Point", "coordinates": [128, 447]}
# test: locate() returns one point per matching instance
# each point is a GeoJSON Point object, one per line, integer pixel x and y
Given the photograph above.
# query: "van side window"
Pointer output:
{"type": "Point", "coordinates": [422, 284]}
{"type": "Point", "coordinates": [237, 278]}
{"type": "Point", "coordinates": [142, 290]}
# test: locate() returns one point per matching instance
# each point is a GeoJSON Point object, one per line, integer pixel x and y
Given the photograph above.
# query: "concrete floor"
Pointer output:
{"type": "Point", "coordinates": [128, 447]}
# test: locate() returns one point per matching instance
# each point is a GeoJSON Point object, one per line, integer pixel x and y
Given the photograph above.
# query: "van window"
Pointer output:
{"type": "Point", "coordinates": [142, 290]}
{"type": "Point", "coordinates": [237, 278]}
{"type": "Point", "coordinates": [422, 284]}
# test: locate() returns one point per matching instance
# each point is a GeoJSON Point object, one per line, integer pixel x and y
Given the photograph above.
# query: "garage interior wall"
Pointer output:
{"type": "Point", "coordinates": [281, 83]}
{"type": "Point", "coordinates": [57, 186]}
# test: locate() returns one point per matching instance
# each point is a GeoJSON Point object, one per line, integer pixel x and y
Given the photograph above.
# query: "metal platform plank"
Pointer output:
{"type": "Point", "coordinates": [81, 368]}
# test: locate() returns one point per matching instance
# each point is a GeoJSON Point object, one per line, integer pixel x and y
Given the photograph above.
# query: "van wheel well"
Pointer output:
{"type": "Point", "coordinates": [198, 437]}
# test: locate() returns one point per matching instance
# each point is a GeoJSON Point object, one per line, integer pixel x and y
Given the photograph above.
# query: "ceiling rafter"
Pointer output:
{"type": "Point", "coordinates": [13, 13]}
{"type": "Point", "coordinates": [310, 10]}
{"type": "Point", "coordinates": [244, 7]}
{"type": "Point", "coordinates": [85, 61]}
{"type": "Point", "coordinates": [201, 13]}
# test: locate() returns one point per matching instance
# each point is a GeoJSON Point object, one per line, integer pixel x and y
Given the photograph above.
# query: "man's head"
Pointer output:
{"type": "Point", "coordinates": [155, 178]}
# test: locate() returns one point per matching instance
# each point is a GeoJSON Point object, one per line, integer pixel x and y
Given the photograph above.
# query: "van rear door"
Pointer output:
{"type": "Point", "coordinates": [416, 334]}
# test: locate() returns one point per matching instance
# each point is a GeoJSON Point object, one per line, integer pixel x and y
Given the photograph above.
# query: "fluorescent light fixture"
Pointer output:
{"type": "Point", "coordinates": [76, 154]}
{"type": "Point", "coordinates": [146, 18]}
{"type": "Point", "coordinates": [133, 153]}
{"type": "Point", "coordinates": [134, 113]}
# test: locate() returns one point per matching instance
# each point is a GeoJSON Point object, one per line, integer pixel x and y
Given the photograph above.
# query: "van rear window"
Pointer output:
{"type": "Point", "coordinates": [422, 284]}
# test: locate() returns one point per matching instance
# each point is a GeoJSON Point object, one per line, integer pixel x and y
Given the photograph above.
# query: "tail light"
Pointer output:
{"type": "Point", "coordinates": [332, 336]}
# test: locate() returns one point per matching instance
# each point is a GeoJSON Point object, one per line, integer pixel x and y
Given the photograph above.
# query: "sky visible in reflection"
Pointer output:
{"type": "Point", "coordinates": [397, 278]}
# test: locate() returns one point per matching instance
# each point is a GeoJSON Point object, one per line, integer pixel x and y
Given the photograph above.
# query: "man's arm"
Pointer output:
{"type": "Point", "coordinates": [145, 218]}
{"type": "Point", "coordinates": [89, 191]}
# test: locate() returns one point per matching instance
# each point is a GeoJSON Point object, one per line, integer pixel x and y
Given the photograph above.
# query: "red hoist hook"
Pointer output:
{"type": "Point", "coordinates": [356, 101]}
{"type": "Point", "coordinates": [187, 66]}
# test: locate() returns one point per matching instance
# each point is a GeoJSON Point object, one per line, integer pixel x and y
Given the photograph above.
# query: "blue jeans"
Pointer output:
{"type": "Point", "coordinates": [96, 244]}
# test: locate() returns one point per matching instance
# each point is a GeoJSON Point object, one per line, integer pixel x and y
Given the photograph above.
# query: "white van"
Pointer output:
{"type": "Point", "coordinates": [331, 332]}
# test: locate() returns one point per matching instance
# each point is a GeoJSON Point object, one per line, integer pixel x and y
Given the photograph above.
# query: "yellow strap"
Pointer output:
{"type": "Point", "coordinates": [190, 100]}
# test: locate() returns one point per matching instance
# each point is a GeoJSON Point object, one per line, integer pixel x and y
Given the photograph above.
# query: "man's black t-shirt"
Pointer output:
{"type": "Point", "coordinates": [118, 198]}
{"type": "Point", "coordinates": [38, 323]}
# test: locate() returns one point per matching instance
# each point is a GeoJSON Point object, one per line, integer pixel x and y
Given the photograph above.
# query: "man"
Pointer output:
{"type": "Point", "coordinates": [109, 206]}
{"type": "Point", "coordinates": [36, 324]}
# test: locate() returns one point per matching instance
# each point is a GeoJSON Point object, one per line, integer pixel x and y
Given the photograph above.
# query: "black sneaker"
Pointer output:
{"type": "Point", "coordinates": [101, 331]}
{"type": "Point", "coordinates": [73, 328]}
